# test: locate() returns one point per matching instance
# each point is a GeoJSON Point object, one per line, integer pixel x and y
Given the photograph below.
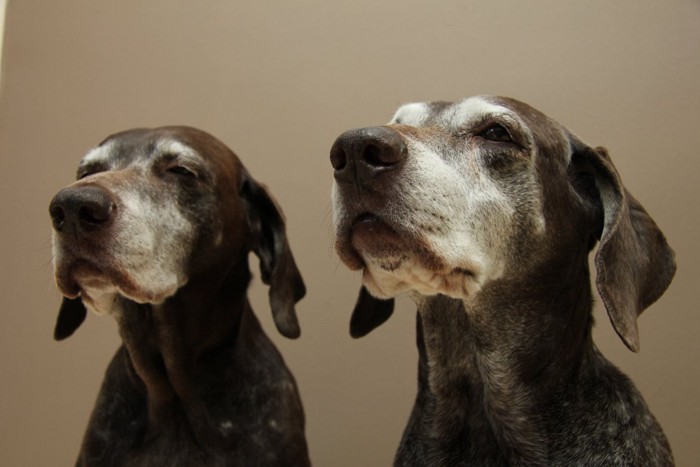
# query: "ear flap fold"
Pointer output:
{"type": "Point", "coordinates": [369, 313]}
{"type": "Point", "coordinates": [70, 316]}
{"type": "Point", "coordinates": [277, 266]}
{"type": "Point", "coordinates": [634, 263]}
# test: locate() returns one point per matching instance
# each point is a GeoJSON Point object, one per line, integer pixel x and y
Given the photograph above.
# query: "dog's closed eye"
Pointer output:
{"type": "Point", "coordinates": [182, 171]}
{"type": "Point", "coordinates": [175, 164]}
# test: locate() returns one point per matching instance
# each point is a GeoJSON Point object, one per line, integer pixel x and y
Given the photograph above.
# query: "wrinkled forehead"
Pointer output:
{"type": "Point", "coordinates": [139, 148]}
{"type": "Point", "coordinates": [451, 114]}
{"type": "Point", "coordinates": [537, 128]}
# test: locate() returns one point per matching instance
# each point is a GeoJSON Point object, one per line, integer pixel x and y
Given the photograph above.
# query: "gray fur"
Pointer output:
{"type": "Point", "coordinates": [508, 373]}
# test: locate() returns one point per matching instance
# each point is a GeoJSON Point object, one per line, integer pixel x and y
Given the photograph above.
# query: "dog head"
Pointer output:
{"type": "Point", "coordinates": [449, 197]}
{"type": "Point", "coordinates": [155, 209]}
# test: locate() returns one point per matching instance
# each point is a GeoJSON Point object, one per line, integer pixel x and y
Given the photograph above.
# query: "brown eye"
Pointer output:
{"type": "Point", "coordinates": [496, 133]}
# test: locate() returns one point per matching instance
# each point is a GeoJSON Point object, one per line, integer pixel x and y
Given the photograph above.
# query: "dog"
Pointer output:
{"type": "Point", "coordinates": [156, 232]}
{"type": "Point", "coordinates": [484, 211]}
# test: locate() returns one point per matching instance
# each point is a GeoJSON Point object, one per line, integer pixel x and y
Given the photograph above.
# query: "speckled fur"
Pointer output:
{"type": "Point", "coordinates": [508, 373]}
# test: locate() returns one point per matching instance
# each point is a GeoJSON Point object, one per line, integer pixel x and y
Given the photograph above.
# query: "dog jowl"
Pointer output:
{"type": "Point", "coordinates": [485, 211]}
{"type": "Point", "coordinates": [156, 232]}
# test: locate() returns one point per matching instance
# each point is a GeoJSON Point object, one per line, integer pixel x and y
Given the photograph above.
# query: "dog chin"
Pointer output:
{"type": "Point", "coordinates": [100, 289]}
{"type": "Point", "coordinates": [368, 236]}
{"type": "Point", "coordinates": [104, 300]}
{"type": "Point", "coordinates": [73, 277]}
{"type": "Point", "coordinates": [387, 277]}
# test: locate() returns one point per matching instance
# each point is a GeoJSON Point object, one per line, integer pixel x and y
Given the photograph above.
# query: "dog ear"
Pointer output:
{"type": "Point", "coordinates": [369, 313]}
{"type": "Point", "coordinates": [277, 266]}
{"type": "Point", "coordinates": [634, 263]}
{"type": "Point", "coordinates": [70, 316]}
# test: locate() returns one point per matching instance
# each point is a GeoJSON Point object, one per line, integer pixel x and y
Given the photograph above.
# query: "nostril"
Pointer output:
{"type": "Point", "coordinates": [382, 148]}
{"type": "Point", "coordinates": [372, 154]}
{"type": "Point", "coordinates": [338, 158]}
{"type": "Point", "coordinates": [379, 155]}
{"type": "Point", "coordinates": [93, 215]}
{"type": "Point", "coordinates": [58, 217]}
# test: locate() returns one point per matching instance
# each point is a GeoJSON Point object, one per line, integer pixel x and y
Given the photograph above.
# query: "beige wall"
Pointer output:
{"type": "Point", "coordinates": [3, 4]}
{"type": "Point", "coordinates": [278, 81]}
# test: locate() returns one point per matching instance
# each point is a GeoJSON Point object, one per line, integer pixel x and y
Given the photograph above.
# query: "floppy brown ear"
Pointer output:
{"type": "Point", "coordinates": [634, 263]}
{"type": "Point", "coordinates": [369, 313]}
{"type": "Point", "coordinates": [70, 316]}
{"type": "Point", "coordinates": [277, 266]}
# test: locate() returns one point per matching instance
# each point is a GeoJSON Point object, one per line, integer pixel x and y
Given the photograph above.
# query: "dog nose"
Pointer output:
{"type": "Point", "coordinates": [366, 152]}
{"type": "Point", "coordinates": [80, 209]}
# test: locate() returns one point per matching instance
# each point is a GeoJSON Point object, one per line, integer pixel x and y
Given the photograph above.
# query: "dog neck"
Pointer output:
{"type": "Point", "coordinates": [164, 342]}
{"type": "Point", "coordinates": [491, 355]}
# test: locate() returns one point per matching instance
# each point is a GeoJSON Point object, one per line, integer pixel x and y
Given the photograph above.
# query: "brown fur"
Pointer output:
{"type": "Point", "coordinates": [196, 381]}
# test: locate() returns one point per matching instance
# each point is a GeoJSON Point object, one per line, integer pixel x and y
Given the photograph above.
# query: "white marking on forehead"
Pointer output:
{"type": "Point", "coordinates": [411, 114]}
{"type": "Point", "coordinates": [171, 146]}
{"type": "Point", "coordinates": [100, 154]}
{"type": "Point", "coordinates": [456, 115]}
{"type": "Point", "coordinates": [468, 110]}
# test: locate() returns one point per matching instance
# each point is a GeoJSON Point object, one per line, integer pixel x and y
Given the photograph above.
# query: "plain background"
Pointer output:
{"type": "Point", "coordinates": [278, 81]}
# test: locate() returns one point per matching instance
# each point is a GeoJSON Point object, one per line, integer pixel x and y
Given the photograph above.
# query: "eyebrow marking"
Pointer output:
{"type": "Point", "coordinates": [169, 151]}
{"type": "Point", "coordinates": [170, 146]}
{"type": "Point", "coordinates": [472, 109]}
{"type": "Point", "coordinates": [98, 155]}
{"type": "Point", "coordinates": [454, 115]}
{"type": "Point", "coordinates": [412, 114]}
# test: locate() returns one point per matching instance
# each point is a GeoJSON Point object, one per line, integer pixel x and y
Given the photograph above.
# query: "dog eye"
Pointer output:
{"type": "Point", "coordinates": [182, 170]}
{"type": "Point", "coordinates": [496, 133]}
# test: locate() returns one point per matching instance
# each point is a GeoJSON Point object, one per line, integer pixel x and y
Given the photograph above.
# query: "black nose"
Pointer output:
{"type": "Point", "coordinates": [80, 209]}
{"type": "Point", "coordinates": [366, 152]}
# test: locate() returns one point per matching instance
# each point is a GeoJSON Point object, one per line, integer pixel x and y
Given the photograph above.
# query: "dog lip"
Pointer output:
{"type": "Point", "coordinates": [372, 235]}
{"type": "Point", "coordinates": [66, 277]}
{"type": "Point", "coordinates": [74, 277]}
{"type": "Point", "coordinates": [68, 287]}
{"type": "Point", "coordinates": [346, 250]}
{"type": "Point", "coordinates": [371, 224]}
